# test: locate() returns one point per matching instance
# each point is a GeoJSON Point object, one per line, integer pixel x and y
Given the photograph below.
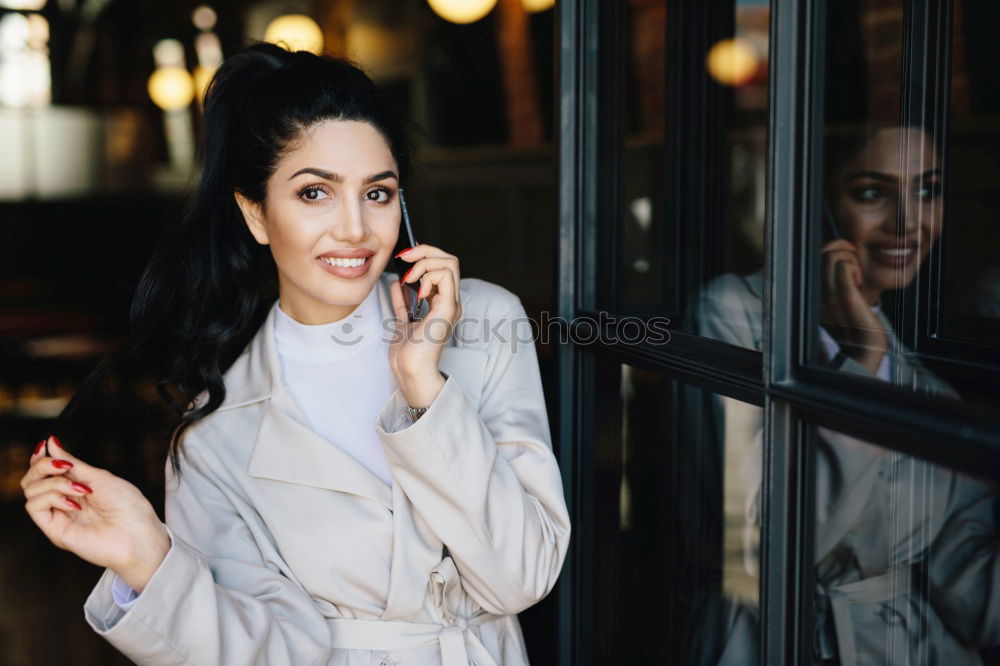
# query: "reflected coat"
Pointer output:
{"type": "Point", "coordinates": [907, 569]}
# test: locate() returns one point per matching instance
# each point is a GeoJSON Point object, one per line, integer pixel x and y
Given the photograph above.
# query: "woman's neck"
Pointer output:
{"type": "Point", "coordinates": [872, 296]}
{"type": "Point", "coordinates": [330, 341]}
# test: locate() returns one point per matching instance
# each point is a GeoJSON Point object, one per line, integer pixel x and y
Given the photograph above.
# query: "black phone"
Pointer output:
{"type": "Point", "coordinates": [414, 305]}
{"type": "Point", "coordinates": [831, 221]}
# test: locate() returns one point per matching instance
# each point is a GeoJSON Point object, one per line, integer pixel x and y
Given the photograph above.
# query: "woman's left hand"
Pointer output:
{"type": "Point", "coordinates": [416, 347]}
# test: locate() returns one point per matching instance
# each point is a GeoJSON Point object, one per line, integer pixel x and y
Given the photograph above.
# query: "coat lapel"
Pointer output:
{"type": "Point", "coordinates": [289, 450]}
{"type": "Point", "coordinates": [286, 448]}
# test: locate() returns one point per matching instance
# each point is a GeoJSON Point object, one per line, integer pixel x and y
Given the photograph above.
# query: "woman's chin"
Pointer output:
{"type": "Point", "coordinates": [887, 279]}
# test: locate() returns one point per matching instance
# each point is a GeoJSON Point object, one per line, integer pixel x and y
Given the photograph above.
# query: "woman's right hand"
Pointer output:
{"type": "Point", "coordinates": [845, 314]}
{"type": "Point", "coordinates": [115, 526]}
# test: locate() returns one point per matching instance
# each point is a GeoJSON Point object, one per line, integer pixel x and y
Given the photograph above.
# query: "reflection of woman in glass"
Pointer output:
{"type": "Point", "coordinates": [883, 198]}
{"type": "Point", "coordinates": [905, 554]}
{"type": "Point", "coordinates": [340, 495]}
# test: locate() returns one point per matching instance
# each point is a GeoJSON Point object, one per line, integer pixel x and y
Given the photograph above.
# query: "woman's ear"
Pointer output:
{"type": "Point", "coordinates": [253, 217]}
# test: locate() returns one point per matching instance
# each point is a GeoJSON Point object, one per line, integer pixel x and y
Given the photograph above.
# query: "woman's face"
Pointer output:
{"type": "Point", "coordinates": [889, 205]}
{"type": "Point", "coordinates": [333, 193]}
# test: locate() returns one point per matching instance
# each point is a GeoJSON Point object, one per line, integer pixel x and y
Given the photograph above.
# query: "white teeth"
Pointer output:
{"type": "Point", "coordinates": [897, 252]}
{"type": "Point", "coordinates": [344, 263]}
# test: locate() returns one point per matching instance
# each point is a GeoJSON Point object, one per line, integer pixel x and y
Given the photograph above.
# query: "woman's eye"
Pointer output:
{"type": "Point", "coordinates": [312, 194]}
{"type": "Point", "coordinates": [381, 195]}
{"type": "Point", "coordinates": [930, 191]}
{"type": "Point", "coordinates": [868, 194]}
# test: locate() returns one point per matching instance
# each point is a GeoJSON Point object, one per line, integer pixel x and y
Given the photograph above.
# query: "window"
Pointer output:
{"type": "Point", "coordinates": [806, 471]}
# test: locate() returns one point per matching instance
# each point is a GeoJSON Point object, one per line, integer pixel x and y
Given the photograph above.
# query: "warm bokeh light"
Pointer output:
{"type": "Point", "coordinates": [23, 5]}
{"type": "Point", "coordinates": [38, 32]}
{"type": "Point", "coordinates": [204, 17]}
{"type": "Point", "coordinates": [171, 88]}
{"type": "Point", "coordinates": [168, 53]}
{"type": "Point", "coordinates": [295, 32]}
{"type": "Point", "coordinates": [732, 62]}
{"type": "Point", "coordinates": [202, 77]}
{"type": "Point", "coordinates": [537, 5]}
{"type": "Point", "coordinates": [209, 52]}
{"type": "Point", "coordinates": [462, 11]}
{"type": "Point", "coordinates": [25, 72]}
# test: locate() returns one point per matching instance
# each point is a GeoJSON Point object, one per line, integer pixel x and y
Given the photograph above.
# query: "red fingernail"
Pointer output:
{"type": "Point", "coordinates": [62, 464]}
{"type": "Point", "coordinates": [39, 447]}
{"type": "Point", "coordinates": [402, 252]}
{"type": "Point", "coordinates": [80, 487]}
{"type": "Point", "coordinates": [72, 503]}
{"type": "Point", "coordinates": [55, 440]}
{"type": "Point", "coordinates": [407, 274]}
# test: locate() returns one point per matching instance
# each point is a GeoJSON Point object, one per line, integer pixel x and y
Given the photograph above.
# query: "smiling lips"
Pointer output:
{"type": "Point", "coordinates": [894, 255]}
{"type": "Point", "coordinates": [346, 263]}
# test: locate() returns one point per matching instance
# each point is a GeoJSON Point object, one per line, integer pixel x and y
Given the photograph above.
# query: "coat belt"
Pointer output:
{"type": "Point", "coordinates": [459, 647]}
{"type": "Point", "coordinates": [882, 588]}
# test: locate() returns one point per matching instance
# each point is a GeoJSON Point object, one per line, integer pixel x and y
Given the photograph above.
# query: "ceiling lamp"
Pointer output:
{"type": "Point", "coordinates": [533, 6]}
{"type": "Point", "coordinates": [171, 88]}
{"type": "Point", "coordinates": [23, 5]}
{"type": "Point", "coordinates": [295, 32]}
{"type": "Point", "coordinates": [732, 62]}
{"type": "Point", "coordinates": [462, 11]}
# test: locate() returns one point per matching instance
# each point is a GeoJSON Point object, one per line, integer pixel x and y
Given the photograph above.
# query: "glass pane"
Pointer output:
{"type": "Point", "coordinates": [906, 559]}
{"type": "Point", "coordinates": [907, 272]}
{"type": "Point", "coordinates": [676, 534]}
{"type": "Point", "coordinates": [967, 313]}
{"type": "Point", "coordinates": [694, 159]}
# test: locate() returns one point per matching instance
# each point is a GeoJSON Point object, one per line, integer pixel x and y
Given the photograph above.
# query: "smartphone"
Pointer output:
{"type": "Point", "coordinates": [831, 222]}
{"type": "Point", "coordinates": [414, 305]}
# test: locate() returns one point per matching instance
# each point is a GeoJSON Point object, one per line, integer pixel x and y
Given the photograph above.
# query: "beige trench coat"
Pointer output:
{"type": "Point", "coordinates": [287, 550]}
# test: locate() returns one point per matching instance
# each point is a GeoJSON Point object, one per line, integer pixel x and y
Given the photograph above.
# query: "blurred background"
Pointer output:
{"type": "Point", "coordinates": [99, 112]}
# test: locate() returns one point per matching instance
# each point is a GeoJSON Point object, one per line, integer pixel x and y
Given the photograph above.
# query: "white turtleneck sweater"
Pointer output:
{"type": "Point", "coordinates": [339, 375]}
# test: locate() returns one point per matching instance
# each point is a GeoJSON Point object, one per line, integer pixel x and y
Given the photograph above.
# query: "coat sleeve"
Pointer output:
{"type": "Point", "coordinates": [964, 562]}
{"type": "Point", "coordinates": [213, 599]}
{"type": "Point", "coordinates": [486, 481]}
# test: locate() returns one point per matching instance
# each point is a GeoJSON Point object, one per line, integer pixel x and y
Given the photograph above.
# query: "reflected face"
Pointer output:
{"type": "Point", "coordinates": [334, 192]}
{"type": "Point", "coordinates": [889, 204]}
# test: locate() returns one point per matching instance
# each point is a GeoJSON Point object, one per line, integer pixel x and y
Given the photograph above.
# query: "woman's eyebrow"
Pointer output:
{"type": "Point", "coordinates": [875, 175]}
{"type": "Point", "coordinates": [322, 173]}
{"type": "Point", "coordinates": [337, 178]}
{"type": "Point", "coordinates": [382, 175]}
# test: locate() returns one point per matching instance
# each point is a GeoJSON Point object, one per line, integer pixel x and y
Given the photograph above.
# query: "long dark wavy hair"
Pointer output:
{"type": "Point", "coordinates": [208, 287]}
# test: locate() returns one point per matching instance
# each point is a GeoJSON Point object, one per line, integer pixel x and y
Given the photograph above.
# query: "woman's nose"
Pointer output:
{"type": "Point", "coordinates": [350, 226]}
{"type": "Point", "coordinates": [908, 215]}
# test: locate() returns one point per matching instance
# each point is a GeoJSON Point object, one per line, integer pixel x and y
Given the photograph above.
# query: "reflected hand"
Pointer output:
{"type": "Point", "coordinates": [94, 514]}
{"type": "Point", "coordinates": [845, 313]}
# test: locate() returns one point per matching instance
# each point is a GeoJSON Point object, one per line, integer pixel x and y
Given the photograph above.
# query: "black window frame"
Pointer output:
{"type": "Point", "coordinates": [796, 396]}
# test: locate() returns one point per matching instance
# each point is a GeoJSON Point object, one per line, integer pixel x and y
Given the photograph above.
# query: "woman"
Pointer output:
{"type": "Point", "coordinates": [338, 497]}
{"type": "Point", "coordinates": [906, 566]}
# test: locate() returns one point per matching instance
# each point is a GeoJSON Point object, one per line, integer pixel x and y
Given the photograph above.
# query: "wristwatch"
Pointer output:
{"type": "Point", "coordinates": [415, 412]}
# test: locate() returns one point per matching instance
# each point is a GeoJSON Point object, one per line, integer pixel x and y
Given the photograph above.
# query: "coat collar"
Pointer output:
{"type": "Point", "coordinates": [286, 448]}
